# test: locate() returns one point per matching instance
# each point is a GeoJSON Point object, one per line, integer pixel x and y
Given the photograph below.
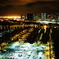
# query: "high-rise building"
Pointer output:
{"type": "Point", "coordinates": [36, 17]}
{"type": "Point", "coordinates": [58, 18]}
{"type": "Point", "coordinates": [29, 17]}
{"type": "Point", "coordinates": [43, 16]}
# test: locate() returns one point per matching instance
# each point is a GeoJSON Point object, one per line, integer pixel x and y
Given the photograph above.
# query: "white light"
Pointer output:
{"type": "Point", "coordinates": [40, 53]}
{"type": "Point", "coordinates": [15, 44]}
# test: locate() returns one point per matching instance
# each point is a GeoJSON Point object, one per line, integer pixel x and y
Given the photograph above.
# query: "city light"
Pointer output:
{"type": "Point", "coordinates": [29, 29]}
{"type": "Point", "coordinates": [45, 26]}
{"type": "Point", "coordinates": [27, 35]}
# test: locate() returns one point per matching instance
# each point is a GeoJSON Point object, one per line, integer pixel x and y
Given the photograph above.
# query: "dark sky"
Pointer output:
{"type": "Point", "coordinates": [20, 2]}
{"type": "Point", "coordinates": [17, 7]}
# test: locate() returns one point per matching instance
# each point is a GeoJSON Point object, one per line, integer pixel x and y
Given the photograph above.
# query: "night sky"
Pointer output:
{"type": "Point", "coordinates": [18, 7]}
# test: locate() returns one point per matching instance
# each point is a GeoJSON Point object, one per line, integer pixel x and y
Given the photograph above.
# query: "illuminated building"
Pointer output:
{"type": "Point", "coordinates": [36, 17]}
{"type": "Point", "coordinates": [43, 16]}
